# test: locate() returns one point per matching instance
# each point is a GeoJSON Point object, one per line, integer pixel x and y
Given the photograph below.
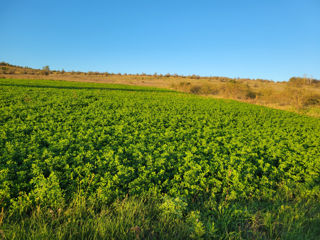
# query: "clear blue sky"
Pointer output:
{"type": "Point", "coordinates": [270, 39]}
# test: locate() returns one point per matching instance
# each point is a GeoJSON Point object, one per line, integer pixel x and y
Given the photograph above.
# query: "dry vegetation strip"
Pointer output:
{"type": "Point", "coordinates": [300, 95]}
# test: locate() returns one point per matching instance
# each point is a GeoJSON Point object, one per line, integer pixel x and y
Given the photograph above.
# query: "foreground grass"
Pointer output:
{"type": "Point", "coordinates": [168, 218]}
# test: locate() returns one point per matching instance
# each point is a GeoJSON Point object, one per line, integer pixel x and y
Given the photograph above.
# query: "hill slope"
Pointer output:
{"type": "Point", "coordinates": [299, 94]}
{"type": "Point", "coordinates": [152, 163]}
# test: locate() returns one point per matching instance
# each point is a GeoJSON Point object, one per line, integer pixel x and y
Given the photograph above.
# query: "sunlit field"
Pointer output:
{"type": "Point", "coordinates": [107, 161]}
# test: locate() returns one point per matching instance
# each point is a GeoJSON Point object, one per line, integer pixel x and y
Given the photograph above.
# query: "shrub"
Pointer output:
{"type": "Point", "coordinates": [251, 95]}
{"type": "Point", "coordinates": [300, 81]}
{"type": "Point", "coordinates": [294, 96]}
{"type": "Point", "coordinates": [182, 86]}
{"type": "Point", "coordinates": [311, 100]}
{"type": "Point", "coordinates": [172, 207]}
{"type": "Point", "coordinates": [195, 89]}
{"type": "Point", "coordinates": [46, 70]}
{"type": "Point", "coordinates": [195, 76]}
{"type": "Point", "coordinates": [238, 90]}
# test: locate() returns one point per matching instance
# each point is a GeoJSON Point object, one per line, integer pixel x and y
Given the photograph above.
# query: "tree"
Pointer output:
{"type": "Point", "coordinates": [46, 70]}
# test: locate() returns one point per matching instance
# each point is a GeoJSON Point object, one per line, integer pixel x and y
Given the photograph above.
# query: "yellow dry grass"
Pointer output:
{"type": "Point", "coordinates": [303, 99]}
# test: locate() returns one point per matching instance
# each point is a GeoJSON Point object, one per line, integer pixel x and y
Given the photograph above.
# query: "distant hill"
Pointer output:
{"type": "Point", "coordinates": [299, 94]}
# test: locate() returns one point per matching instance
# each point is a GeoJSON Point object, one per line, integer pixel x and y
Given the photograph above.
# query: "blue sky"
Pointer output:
{"type": "Point", "coordinates": [270, 39]}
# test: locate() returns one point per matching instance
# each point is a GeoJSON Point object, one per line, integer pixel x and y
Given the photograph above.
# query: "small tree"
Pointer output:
{"type": "Point", "coordinates": [46, 70]}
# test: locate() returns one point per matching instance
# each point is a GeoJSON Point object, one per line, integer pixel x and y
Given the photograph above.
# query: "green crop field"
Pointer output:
{"type": "Point", "coordinates": [98, 161]}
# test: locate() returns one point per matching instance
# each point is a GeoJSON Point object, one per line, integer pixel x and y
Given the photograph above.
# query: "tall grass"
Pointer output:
{"type": "Point", "coordinates": [168, 218]}
{"type": "Point", "coordinates": [289, 97]}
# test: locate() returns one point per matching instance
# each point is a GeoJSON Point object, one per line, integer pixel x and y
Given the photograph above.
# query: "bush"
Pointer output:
{"type": "Point", "coordinates": [205, 89]}
{"type": "Point", "coordinates": [238, 90]}
{"type": "Point", "coordinates": [46, 70]}
{"type": "Point", "coordinates": [251, 95]}
{"type": "Point", "coordinates": [172, 207]}
{"type": "Point", "coordinates": [294, 96]}
{"type": "Point", "coordinates": [311, 100]}
{"type": "Point", "coordinates": [195, 89]}
{"type": "Point", "coordinates": [300, 81]}
{"type": "Point", "coordinates": [195, 76]}
{"type": "Point", "coordinates": [184, 84]}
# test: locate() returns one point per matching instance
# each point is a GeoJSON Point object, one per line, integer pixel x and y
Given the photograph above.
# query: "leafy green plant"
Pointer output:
{"type": "Point", "coordinates": [203, 168]}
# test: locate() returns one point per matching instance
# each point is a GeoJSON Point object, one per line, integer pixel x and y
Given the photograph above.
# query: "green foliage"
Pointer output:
{"type": "Point", "coordinates": [71, 148]}
{"type": "Point", "coordinates": [196, 226]}
{"type": "Point", "coordinates": [172, 208]}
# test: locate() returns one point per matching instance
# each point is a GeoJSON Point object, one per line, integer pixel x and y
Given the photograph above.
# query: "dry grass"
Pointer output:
{"type": "Point", "coordinates": [298, 96]}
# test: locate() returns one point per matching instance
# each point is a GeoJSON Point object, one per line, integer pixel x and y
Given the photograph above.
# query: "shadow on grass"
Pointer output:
{"type": "Point", "coordinates": [87, 88]}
